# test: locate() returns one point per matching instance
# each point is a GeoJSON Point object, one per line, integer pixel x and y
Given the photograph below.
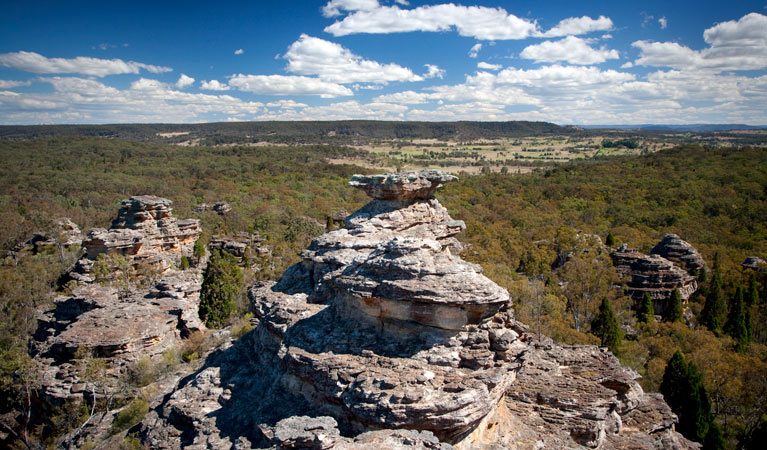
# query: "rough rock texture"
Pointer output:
{"type": "Point", "coordinates": [64, 232]}
{"type": "Point", "coordinates": [145, 232]}
{"type": "Point", "coordinates": [673, 248]}
{"type": "Point", "coordinates": [238, 244]}
{"type": "Point", "coordinates": [347, 353]}
{"type": "Point", "coordinates": [123, 322]}
{"type": "Point", "coordinates": [653, 274]}
{"type": "Point", "coordinates": [755, 263]}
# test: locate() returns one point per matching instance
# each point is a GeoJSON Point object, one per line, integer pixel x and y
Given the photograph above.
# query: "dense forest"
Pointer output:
{"type": "Point", "coordinates": [534, 234]}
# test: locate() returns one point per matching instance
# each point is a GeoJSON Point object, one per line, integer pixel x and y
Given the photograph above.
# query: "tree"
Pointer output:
{"type": "Point", "coordinates": [198, 251]}
{"type": "Point", "coordinates": [714, 309]}
{"type": "Point", "coordinates": [682, 387]}
{"type": "Point", "coordinates": [646, 310]}
{"type": "Point", "coordinates": [752, 296]}
{"type": "Point", "coordinates": [588, 278]}
{"type": "Point", "coordinates": [714, 438]}
{"type": "Point", "coordinates": [610, 240]}
{"type": "Point", "coordinates": [673, 312]}
{"type": "Point", "coordinates": [605, 327]}
{"type": "Point", "coordinates": [222, 282]}
{"type": "Point", "coordinates": [736, 325]}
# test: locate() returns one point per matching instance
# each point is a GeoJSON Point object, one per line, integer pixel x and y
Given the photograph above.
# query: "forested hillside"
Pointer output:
{"type": "Point", "coordinates": [525, 230]}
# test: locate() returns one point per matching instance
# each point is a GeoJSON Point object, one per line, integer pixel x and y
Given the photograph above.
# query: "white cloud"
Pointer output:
{"type": "Point", "coordinates": [627, 65]}
{"type": "Point", "coordinates": [286, 104]}
{"type": "Point", "coordinates": [333, 63]}
{"type": "Point", "coordinates": [404, 98]}
{"type": "Point", "coordinates": [213, 85]}
{"type": "Point", "coordinates": [184, 81]}
{"type": "Point", "coordinates": [488, 66]}
{"type": "Point", "coordinates": [239, 51]}
{"type": "Point", "coordinates": [36, 63]}
{"type": "Point", "coordinates": [334, 7]}
{"type": "Point", "coordinates": [663, 22]}
{"type": "Point", "coordinates": [733, 45]}
{"type": "Point", "coordinates": [580, 25]}
{"type": "Point", "coordinates": [475, 21]}
{"type": "Point", "coordinates": [433, 71]}
{"type": "Point", "coordinates": [571, 49]}
{"type": "Point", "coordinates": [474, 50]}
{"type": "Point", "coordinates": [9, 84]}
{"type": "Point", "coordinates": [287, 85]}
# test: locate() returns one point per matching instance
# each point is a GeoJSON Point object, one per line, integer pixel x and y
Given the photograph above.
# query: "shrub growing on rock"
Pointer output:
{"type": "Point", "coordinates": [221, 284]}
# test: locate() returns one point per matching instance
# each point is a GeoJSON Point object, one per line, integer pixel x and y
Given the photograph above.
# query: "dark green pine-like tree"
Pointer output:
{"type": "Point", "coordinates": [673, 311]}
{"type": "Point", "coordinates": [714, 438]}
{"type": "Point", "coordinates": [752, 296]}
{"type": "Point", "coordinates": [605, 327]}
{"type": "Point", "coordinates": [645, 309]}
{"type": "Point", "coordinates": [715, 309]}
{"type": "Point", "coordinates": [683, 390]}
{"type": "Point", "coordinates": [222, 282]}
{"type": "Point", "coordinates": [736, 325]}
{"type": "Point", "coordinates": [702, 275]}
{"type": "Point", "coordinates": [610, 240]}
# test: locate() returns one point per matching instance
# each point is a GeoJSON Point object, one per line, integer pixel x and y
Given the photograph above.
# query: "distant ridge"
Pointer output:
{"type": "Point", "coordinates": [328, 130]}
{"type": "Point", "coordinates": [696, 127]}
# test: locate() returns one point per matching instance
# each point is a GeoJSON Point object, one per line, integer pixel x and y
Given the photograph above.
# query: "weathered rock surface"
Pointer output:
{"type": "Point", "coordinates": [64, 233]}
{"type": "Point", "coordinates": [238, 244]}
{"type": "Point", "coordinates": [348, 353]}
{"type": "Point", "coordinates": [144, 232]}
{"type": "Point", "coordinates": [755, 263]}
{"type": "Point", "coordinates": [132, 319]}
{"type": "Point", "coordinates": [673, 248]}
{"type": "Point", "coordinates": [652, 274]}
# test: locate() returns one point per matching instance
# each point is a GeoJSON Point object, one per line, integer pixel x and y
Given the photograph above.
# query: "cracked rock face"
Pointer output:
{"type": "Point", "coordinates": [382, 337]}
{"type": "Point", "coordinates": [673, 248]}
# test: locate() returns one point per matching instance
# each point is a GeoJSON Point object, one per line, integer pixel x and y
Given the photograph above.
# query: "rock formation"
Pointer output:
{"type": "Point", "coordinates": [247, 247]}
{"type": "Point", "coordinates": [382, 337]}
{"type": "Point", "coordinates": [755, 263]}
{"type": "Point", "coordinates": [128, 320]}
{"type": "Point", "coordinates": [64, 233]}
{"type": "Point", "coordinates": [219, 208]}
{"type": "Point", "coordinates": [144, 232]}
{"type": "Point", "coordinates": [652, 274]}
{"type": "Point", "coordinates": [673, 248]}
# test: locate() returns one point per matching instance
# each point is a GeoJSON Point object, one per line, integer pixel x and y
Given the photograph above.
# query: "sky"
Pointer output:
{"type": "Point", "coordinates": [567, 62]}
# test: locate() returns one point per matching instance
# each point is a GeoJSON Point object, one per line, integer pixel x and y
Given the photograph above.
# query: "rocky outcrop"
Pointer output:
{"type": "Point", "coordinates": [133, 317]}
{"type": "Point", "coordinates": [219, 208]}
{"type": "Point", "coordinates": [755, 263]}
{"type": "Point", "coordinates": [673, 248]}
{"type": "Point", "coordinates": [64, 233]}
{"type": "Point", "coordinates": [382, 337]}
{"type": "Point", "coordinates": [652, 274]}
{"type": "Point", "coordinates": [144, 232]}
{"type": "Point", "coordinates": [238, 244]}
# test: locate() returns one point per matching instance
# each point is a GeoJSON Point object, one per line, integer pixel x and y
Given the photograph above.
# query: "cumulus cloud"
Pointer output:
{"type": "Point", "coordinates": [334, 7]}
{"type": "Point", "coordinates": [663, 22]}
{"type": "Point", "coordinates": [239, 51]}
{"type": "Point", "coordinates": [475, 21]}
{"type": "Point", "coordinates": [488, 66]}
{"type": "Point", "coordinates": [286, 104]}
{"type": "Point", "coordinates": [579, 25]}
{"type": "Point", "coordinates": [36, 63]}
{"type": "Point", "coordinates": [287, 85]}
{"type": "Point", "coordinates": [570, 49]}
{"type": "Point", "coordinates": [474, 50]}
{"type": "Point", "coordinates": [9, 84]}
{"type": "Point", "coordinates": [333, 63]}
{"type": "Point", "coordinates": [213, 85]}
{"type": "Point", "coordinates": [184, 81]}
{"type": "Point", "coordinates": [733, 45]}
{"type": "Point", "coordinates": [433, 71]}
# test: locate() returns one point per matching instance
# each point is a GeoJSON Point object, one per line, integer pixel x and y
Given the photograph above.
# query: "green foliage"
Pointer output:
{"type": "Point", "coordinates": [222, 283]}
{"type": "Point", "coordinates": [714, 438]}
{"type": "Point", "coordinates": [736, 325]}
{"type": "Point", "coordinates": [673, 311]}
{"type": "Point", "coordinates": [198, 251]}
{"type": "Point", "coordinates": [683, 390]}
{"type": "Point", "coordinates": [184, 265]}
{"type": "Point", "coordinates": [605, 326]}
{"type": "Point", "coordinates": [752, 295]}
{"type": "Point", "coordinates": [645, 309]}
{"type": "Point", "coordinates": [242, 326]}
{"type": "Point", "coordinates": [714, 309]}
{"type": "Point", "coordinates": [610, 240]}
{"type": "Point", "coordinates": [130, 415]}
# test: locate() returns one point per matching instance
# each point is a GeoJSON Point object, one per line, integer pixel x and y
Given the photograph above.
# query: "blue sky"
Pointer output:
{"type": "Point", "coordinates": [560, 61]}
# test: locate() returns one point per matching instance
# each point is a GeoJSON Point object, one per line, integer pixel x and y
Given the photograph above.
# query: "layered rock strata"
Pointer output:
{"type": "Point", "coordinates": [681, 252]}
{"type": "Point", "coordinates": [64, 233]}
{"type": "Point", "coordinates": [754, 263]}
{"type": "Point", "coordinates": [382, 337]}
{"type": "Point", "coordinates": [130, 319]}
{"type": "Point", "coordinates": [652, 274]}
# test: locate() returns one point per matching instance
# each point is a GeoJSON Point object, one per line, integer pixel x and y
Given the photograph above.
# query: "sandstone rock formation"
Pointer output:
{"type": "Point", "coordinates": [652, 274]}
{"type": "Point", "coordinates": [144, 232]}
{"type": "Point", "coordinates": [128, 320]}
{"type": "Point", "coordinates": [64, 233]}
{"type": "Point", "coordinates": [219, 208]}
{"type": "Point", "coordinates": [238, 244]}
{"type": "Point", "coordinates": [673, 248]}
{"type": "Point", "coordinates": [755, 263]}
{"type": "Point", "coordinates": [382, 337]}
